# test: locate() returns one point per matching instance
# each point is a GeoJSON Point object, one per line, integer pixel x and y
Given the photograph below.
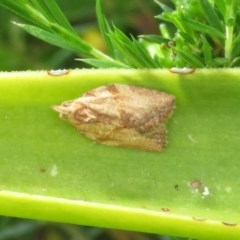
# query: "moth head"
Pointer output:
{"type": "Point", "coordinates": [63, 109]}
{"type": "Point", "coordinates": [75, 112]}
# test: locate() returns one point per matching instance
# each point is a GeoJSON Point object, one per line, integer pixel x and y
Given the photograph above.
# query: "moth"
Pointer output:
{"type": "Point", "coordinates": [121, 115]}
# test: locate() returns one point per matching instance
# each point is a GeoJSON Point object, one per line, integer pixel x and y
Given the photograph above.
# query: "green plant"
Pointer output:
{"type": "Point", "coordinates": [56, 174]}
{"type": "Point", "coordinates": [205, 34]}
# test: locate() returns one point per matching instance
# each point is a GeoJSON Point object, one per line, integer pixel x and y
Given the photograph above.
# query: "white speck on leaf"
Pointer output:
{"type": "Point", "coordinates": [58, 72]}
{"type": "Point", "coordinates": [54, 171]}
{"type": "Point", "coordinates": [190, 137]}
{"type": "Point", "coordinates": [184, 70]}
{"type": "Point", "coordinates": [205, 192]}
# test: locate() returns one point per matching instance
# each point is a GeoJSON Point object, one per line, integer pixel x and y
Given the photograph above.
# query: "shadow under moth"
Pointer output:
{"type": "Point", "coordinates": [121, 115]}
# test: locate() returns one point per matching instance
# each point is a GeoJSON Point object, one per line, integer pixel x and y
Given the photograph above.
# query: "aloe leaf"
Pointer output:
{"type": "Point", "coordinates": [51, 172]}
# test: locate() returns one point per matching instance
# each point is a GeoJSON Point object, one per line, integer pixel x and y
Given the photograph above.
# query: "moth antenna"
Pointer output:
{"type": "Point", "coordinates": [57, 108]}
{"type": "Point", "coordinates": [62, 110]}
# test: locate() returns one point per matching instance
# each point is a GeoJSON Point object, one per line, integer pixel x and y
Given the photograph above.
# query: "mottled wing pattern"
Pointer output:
{"type": "Point", "coordinates": [121, 115]}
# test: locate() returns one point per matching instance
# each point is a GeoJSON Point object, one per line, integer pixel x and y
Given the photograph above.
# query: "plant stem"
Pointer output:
{"type": "Point", "coordinates": [99, 55]}
{"type": "Point", "coordinates": [229, 21]}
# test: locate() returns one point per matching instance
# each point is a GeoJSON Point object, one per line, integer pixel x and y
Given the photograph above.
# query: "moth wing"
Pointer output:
{"type": "Point", "coordinates": [96, 131]}
{"type": "Point", "coordinates": [155, 140]}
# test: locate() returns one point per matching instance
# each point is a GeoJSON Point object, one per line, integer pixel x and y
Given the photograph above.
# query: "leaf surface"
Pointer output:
{"type": "Point", "coordinates": [49, 171]}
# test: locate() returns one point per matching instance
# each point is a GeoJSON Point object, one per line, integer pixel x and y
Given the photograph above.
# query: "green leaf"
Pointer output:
{"type": "Point", "coordinates": [207, 51]}
{"type": "Point", "coordinates": [236, 44]}
{"type": "Point", "coordinates": [67, 41]}
{"type": "Point", "coordinates": [221, 6]}
{"type": "Point", "coordinates": [155, 39]}
{"type": "Point", "coordinates": [203, 28]}
{"type": "Point", "coordinates": [189, 59]}
{"type": "Point", "coordinates": [26, 12]}
{"type": "Point", "coordinates": [131, 51]}
{"type": "Point", "coordinates": [211, 15]}
{"type": "Point", "coordinates": [46, 21]}
{"type": "Point", "coordinates": [187, 39]}
{"type": "Point", "coordinates": [102, 64]}
{"type": "Point", "coordinates": [104, 27]}
{"type": "Point", "coordinates": [49, 171]}
{"type": "Point", "coordinates": [55, 12]}
{"type": "Point", "coordinates": [164, 6]}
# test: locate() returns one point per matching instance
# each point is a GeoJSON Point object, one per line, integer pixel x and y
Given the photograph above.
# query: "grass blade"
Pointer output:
{"type": "Point", "coordinates": [203, 28]}
{"type": "Point", "coordinates": [104, 27]}
{"type": "Point", "coordinates": [75, 44]}
{"type": "Point", "coordinates": [190, 60]}
{"type": "Point", "coordinates": [53, 12]}
{"type": "Point", "coordinates": [207, 52]}
{"type": "Point", "coordinates": [211, 15]}
{"type": "Point", "coordinates": [98, 63]}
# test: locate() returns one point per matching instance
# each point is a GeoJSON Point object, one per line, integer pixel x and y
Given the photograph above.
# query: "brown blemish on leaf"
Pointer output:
{"type": "Point", "coordinates": [195, 184]}
{"type": "Point", "coordinates": [181, 70]}
{"type": "Point", "coordinates": [121, 115]}
{"type": "Point", "coordinates": [171, 44]}
{"type": "Point", "coordinates": [165, 209]}
{"type": "Point", "coordinates": [112, 198]}
{"type": "Point", "coordinates": [230, 224]}
{"type": "Point", "coordinates": [43, 170]}
{"type": "Point", "coordinates": [58, 72]}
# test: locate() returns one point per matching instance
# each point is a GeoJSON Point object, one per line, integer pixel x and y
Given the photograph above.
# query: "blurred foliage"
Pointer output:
{"type": "Point", "coordinates": [23, 229]}
{"type": "Point", "coordinates": [199, 34]}
{"type": "Point", "coordinates": [21, 51]}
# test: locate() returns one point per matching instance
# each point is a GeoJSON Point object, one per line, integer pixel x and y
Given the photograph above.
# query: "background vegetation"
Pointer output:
{"type": "Point", "coordinates": [21, 51]}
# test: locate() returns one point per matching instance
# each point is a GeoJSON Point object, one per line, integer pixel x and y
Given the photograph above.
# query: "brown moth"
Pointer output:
{"type": "Point", "coordinates": [121, 115]}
